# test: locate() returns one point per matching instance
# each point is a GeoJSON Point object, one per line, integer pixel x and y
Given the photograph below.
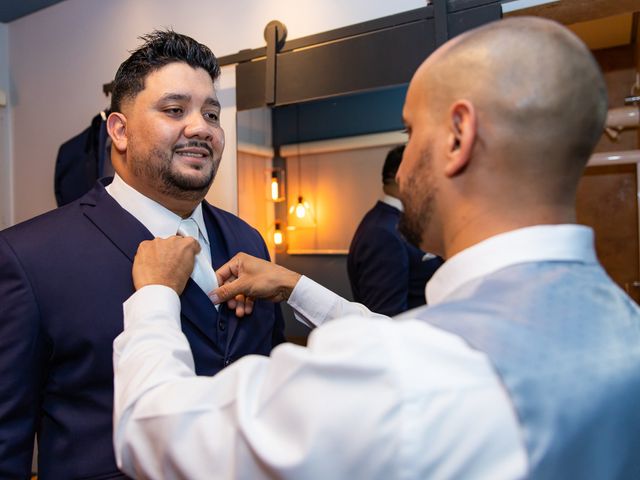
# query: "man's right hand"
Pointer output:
{"type": "Point", "coordinates": [253, 278]}
{"type": "Point", "coordinates": [165, 261]}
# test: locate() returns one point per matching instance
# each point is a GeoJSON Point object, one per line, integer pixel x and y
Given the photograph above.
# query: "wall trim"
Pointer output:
{"type": "Point", "coordinates": [373, 140]}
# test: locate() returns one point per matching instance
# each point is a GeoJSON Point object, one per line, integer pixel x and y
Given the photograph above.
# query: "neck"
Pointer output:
{"type": "Point", "coordinates": [391, 189]}
{"type": "Point", "coordinates": [182, 205]}
{"type": "Point", "coordinates": [471, 226]}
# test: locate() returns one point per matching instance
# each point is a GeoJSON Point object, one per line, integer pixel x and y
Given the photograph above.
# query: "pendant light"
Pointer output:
{"type": "Point", "coordinates": [301, 213]}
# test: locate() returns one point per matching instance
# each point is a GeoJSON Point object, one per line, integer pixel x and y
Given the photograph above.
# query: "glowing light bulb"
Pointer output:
{"type": "Point", "coordinates": [277, 234]}
{"type": "Point", "coordinates": [274, 189]}
{"type": "Point", "coordinates": [300, 210]}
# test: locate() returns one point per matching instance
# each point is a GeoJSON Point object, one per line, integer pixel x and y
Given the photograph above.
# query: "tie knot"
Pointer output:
{"type": "Point", "coordinates": [188, 228]}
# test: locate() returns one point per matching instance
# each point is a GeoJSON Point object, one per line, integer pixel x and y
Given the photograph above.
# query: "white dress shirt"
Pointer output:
{"type": "Point", "coordinates": [392, 202]}
{"type": "Point", "coordinates": [367, 399]}
{"type": "Point", "coordinates": [160, 221]}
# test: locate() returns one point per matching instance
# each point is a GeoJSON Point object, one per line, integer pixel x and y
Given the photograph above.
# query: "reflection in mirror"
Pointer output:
{"type": "Point", "coordinates": [330, 152]}
{"type": "Point", "coordinates": [255, 158]}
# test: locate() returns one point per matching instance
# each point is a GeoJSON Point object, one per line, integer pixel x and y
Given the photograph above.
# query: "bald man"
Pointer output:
{"type": "Point", "coordinates": [526, 363]}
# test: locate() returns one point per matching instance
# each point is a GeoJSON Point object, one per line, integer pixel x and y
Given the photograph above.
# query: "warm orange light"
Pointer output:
{"type": "Point", "coordinates": [301, 215]}
{"type": "Point", "coordinates": [275, 188]}
{"type": "Point", "coordinates": [277, 235]}
{"type": "Point", "coordinates": [300, 208]}
{"type": "Point", "coordinates": [300, 211]}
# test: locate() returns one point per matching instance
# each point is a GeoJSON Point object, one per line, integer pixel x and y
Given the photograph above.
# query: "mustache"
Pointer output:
{"type": "Point", "coordinates": [194, 143]}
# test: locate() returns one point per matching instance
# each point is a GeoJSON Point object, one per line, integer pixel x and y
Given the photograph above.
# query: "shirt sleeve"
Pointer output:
{"type": "Point", "coordinates": [246, 421]}
{"type": "Point", "coordinates": [314, 304]}
{"type": "Point", "coordinates": [357, 403]}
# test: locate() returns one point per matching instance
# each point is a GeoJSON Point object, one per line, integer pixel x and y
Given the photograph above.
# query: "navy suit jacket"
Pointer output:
{"type": "Point", "coordinates": [386, 272]}
{"type": "Point", "coordinates": [63, 278]}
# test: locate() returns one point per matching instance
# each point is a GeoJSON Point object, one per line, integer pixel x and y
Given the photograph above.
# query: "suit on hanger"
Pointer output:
{"type": "Point", "coordinates": [63, 278]}
{"type": "Point", "coordinates": [81, 161]}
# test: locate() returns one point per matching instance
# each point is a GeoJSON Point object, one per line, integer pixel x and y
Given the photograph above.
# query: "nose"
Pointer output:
{"type": "Point", "coordinates": [197, 127]}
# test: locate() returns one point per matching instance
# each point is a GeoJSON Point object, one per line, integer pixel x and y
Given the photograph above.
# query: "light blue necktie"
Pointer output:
{"type": "Point", "coordinates": [203, 273]}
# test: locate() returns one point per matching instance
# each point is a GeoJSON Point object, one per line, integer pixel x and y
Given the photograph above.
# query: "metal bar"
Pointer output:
{"type": "Point", "coordinates": [271, 36]}
{"type": "Point", "coordinates": [440, 19]}
{"type": "Point", "coordinates": [614, 158]}
{"type": "Point", "coordinates": [332, 35]}
{"type": "Point", "coordinates": [522, 4]}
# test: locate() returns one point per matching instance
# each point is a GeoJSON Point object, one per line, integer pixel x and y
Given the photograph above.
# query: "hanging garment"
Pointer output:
{"type": "Point", "coordinates": [82, 160]}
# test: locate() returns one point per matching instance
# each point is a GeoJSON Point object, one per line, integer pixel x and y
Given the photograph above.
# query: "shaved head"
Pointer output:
{"type": "Point", "coordinates": [502, 121]}
{"type": "Point", "coordinates": [536, 84]}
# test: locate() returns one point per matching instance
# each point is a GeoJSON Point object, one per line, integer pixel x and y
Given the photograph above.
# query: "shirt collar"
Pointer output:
{"type": "Point", "coordinates": [160, 221]}
{"type": "Point", "coordinates": [531, 244]}
{"type": "Point", "coordinates": [392, 201]}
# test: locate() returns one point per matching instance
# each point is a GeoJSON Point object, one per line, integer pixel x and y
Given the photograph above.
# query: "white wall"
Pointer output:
{"type": "Point", "coordinates": [6, 213]}
{"type": "Point", "coordinates": [61, 56]}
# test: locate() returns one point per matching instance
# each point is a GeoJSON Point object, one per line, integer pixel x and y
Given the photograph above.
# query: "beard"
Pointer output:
{"type": "Point", "coordinates": [157, 166]}
{"type": "Point", "coordinates": [418, 201]}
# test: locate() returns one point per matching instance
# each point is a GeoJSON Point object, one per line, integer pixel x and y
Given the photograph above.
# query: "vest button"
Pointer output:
{"type": "Point", "coordinates": [222, 325]}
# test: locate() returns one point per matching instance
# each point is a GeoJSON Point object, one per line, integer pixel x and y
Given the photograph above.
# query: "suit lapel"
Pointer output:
{"type": "Point", "coordinates": [126, 233]}
{"type": "Point", "coordinates": [118, 225]}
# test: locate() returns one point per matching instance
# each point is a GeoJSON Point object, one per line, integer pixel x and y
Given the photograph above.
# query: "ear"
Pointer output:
{"type": "Point", "coordinates": [117, 128]}
{"type": "Point", "coordinates": [462, 135]}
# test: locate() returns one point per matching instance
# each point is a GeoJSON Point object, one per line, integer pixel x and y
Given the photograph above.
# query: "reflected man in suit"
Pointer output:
{"type": "Point", "coordinates": [65, 274]}
{"type": "Point", "coordinates": [388, 274]}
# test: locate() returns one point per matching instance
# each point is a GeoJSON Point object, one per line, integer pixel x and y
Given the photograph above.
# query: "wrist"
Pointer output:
{"type": "Point", "coordinates": [289, 283]}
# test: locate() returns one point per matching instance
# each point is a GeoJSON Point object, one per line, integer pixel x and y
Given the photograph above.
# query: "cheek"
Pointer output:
{"type": "Point", "coordinates": [218, 138]}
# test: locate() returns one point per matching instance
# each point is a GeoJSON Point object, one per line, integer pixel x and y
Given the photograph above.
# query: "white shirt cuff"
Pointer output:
{"type": "Point", "coordinates": [156, 302]}
{"type": "Point", "coordinates": [311, 302]}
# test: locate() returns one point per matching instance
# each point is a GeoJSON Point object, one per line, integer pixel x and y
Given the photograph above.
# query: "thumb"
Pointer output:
{"type": "Point", "coordinates": [229, 291]}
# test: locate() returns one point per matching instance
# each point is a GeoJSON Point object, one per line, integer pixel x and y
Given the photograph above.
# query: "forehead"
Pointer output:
{"type": "Point", "coordinates": [415, 94]}
{"type": "Point", "coordinates": [178, 77]}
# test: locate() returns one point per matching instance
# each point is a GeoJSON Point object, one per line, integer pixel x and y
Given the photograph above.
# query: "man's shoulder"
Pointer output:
{"type": "Point", "coordinates": [42, 221]}
{"type": "Point", "coordinates": [56, 223]}
{"type": "Point", "coordinates": [377, 226]}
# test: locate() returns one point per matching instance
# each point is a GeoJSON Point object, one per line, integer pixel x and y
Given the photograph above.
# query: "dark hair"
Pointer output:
{"type": "Point", "coordinates": [160, 48]}
{"type": "Point", "coordinates": [391, 164]}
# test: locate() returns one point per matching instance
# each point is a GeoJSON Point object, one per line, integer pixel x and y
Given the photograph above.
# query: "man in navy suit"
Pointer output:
{"type": "Point", "coordinates": [388, 274]}
{"type": "Point", "coordinates": [65, 274]}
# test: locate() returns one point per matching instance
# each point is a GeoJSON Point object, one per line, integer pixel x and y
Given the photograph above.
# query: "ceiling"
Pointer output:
{"type": "Point", "coordinates": [600, 23]}
{"type": "Point", "coordinates": [13, 9]}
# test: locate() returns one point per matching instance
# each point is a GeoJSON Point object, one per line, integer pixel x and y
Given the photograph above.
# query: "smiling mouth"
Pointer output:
{"type": "Point", "coordinates": [193, 149]}
{"type": "Point", "coordinates": [192, 154]}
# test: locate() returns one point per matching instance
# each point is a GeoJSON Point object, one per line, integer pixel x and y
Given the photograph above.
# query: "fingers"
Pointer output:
{"type": "Point", "coordinates": [229, 271]}
{"type": "Point", "coordinates": [229, 291]}
{"type": "Point", "coordinates": [240, 310]}
{"type": "Point", "coordinates": [166, 262]}
{"type": "Point", "coordinates": [255, 278]}
{"type": "Point", "coordinates": [242, 305]}
{"type": "Point", "coordinates": [248, 305]}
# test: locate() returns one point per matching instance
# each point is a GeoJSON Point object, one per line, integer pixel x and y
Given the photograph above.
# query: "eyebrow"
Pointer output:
{"type": "Point", "coordinates": [181, 97]}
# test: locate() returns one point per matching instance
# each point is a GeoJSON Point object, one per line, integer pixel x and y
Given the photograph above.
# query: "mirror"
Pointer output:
{"type": "Point", "coordinates": [329, 152]}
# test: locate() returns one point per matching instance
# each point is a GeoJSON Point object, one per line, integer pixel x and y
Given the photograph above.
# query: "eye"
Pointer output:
{"type": "Point", "coordinates": [212, 116]}
{"type": "Point", "coordinates": [173, 111]}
